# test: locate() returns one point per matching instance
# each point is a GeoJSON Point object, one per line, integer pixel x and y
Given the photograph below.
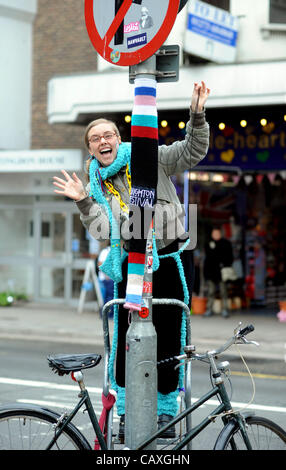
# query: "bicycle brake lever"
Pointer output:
{"type": "Point", "coordinates": [246, 341]}
{"type": "Point", "coordinates": [182, 363]}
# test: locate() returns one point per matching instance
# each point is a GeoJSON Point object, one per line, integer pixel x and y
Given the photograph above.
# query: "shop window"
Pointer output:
{"type": "Point", "coordinates": [16, 238]}
{"type": "Point", "coordinates": [17, 279]}
{"type": "Point", "coordinates": [45, 231]}
{"type": "Point", "coordinates": [277, 12]}
{"type": "Point", "coordinates": [52, 282]}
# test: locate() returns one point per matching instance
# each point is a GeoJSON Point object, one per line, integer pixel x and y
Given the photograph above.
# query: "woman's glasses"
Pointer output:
{"type": "Point", "coordinates": [95, 139]}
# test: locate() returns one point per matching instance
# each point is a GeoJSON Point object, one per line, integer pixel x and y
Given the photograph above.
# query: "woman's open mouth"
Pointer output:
{"type": "Point", "coordinates": [105, 152]}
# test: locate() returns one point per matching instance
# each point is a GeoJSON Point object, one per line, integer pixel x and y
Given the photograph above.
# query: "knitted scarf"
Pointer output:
{"type": "Point", "coordinates": [97, 174]}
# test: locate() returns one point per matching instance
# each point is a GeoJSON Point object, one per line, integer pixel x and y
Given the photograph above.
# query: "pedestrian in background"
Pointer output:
{"type": "Point", "coordinates": [218, 270]}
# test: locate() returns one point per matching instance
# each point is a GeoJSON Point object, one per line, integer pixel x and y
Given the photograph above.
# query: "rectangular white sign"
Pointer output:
{"type": "Point", "coordinates": [40, 160]}
{"type": "Point", "coordinates": [211, 32]}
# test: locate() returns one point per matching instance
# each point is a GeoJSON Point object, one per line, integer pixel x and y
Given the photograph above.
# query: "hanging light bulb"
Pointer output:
{"type": "Point", "coordinates": [221, 126]}
{"type": "Point", "coordinates": [127, 118]}
{"type": "Point", "coordinates": [182, 125]}
{"type": "Point", "coordinates": [243, 123]}
{"type": "Point", "coordinates": [164, 123]}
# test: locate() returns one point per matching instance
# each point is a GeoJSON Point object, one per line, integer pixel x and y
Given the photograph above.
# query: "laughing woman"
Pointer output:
{"type": "Point", "coordinates": [106, 198]}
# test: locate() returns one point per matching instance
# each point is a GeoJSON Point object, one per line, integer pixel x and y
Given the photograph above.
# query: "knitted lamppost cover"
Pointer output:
{"type": "Point", "coordinates": [144, 171]}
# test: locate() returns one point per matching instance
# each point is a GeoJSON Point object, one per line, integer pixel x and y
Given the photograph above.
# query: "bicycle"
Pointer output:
{"type": "Point", "coordinates": [32, 427]}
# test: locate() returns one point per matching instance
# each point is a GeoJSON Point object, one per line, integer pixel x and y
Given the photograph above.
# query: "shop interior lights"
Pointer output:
{"type": "Point", "coordinates": [217, 178]}
{"type": "Point", "coordinates": [221, 126]}
{"type": "Point", "coordinates": [164, 123]}
{"type": "Point", "coordinates": [194, 176]}
{"type": "Point", "coordinates": [263, 122]}
{"type": "Point", "coordinates": [243, 123]}
{"type": "Point", "coordinates": [127, 118]}
{"type": "Point", "coordinates": [182, 125]}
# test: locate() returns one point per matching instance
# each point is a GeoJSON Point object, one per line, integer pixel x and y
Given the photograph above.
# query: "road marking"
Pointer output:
{"type": "Point", "coordinates": [244, 406]}
{"type": "Point", "coordinates": [259, 376]}
{"type": "Point", "coordinates": [38, 384]}
{"type": "Point", "coordinates": [50, 404]}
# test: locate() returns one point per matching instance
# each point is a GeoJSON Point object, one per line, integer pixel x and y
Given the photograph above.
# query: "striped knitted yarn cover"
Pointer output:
{"type": "Point", "coordinates": [144, 171]}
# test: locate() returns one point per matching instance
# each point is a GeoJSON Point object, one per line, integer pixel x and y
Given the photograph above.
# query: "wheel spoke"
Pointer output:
{"type": "Point", "coordinates": [33, 430]}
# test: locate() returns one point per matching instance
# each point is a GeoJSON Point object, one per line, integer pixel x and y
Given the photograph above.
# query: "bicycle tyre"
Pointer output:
{"type": "Point", "coordinates": [263, 433]}
{"type": "Point", "coordinates": [32, 429]}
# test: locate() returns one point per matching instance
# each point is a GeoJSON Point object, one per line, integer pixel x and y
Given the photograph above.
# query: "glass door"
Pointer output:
{"type": "Point", "coordinates": [52, 251]}
{"type": "Point", "coordinates": [63, 249]}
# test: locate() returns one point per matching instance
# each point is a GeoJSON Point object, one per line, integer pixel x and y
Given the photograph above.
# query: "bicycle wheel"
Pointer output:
{"type": "Point", "coordinates": [33, 429]}
{"type": "Point", "coordinates": [263, 435]}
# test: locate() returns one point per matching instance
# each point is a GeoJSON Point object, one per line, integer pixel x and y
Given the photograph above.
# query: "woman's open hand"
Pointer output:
{"type": "Point", "coordinates": [71, 187]}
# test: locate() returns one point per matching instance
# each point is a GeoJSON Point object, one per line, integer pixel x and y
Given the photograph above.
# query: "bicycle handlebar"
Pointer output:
{"type": "Point", "coordinates": [239, 337]}
{"type": "Point", "coordinates": [245, 331]}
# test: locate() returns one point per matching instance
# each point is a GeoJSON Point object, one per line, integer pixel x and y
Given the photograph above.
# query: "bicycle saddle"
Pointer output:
{"type": "Point", "coordinates": [66, 363]}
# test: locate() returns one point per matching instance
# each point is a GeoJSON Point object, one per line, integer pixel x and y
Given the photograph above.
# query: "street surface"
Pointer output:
{"type": "Point", "coordinates": [25, 377]}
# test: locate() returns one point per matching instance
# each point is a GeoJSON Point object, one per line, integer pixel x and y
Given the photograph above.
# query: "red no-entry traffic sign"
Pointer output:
{"type": "Point", "coordinates": [127, 32]}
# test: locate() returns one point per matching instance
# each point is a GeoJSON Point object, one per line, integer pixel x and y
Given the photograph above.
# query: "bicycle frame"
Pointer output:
{"type": "Point", "coordinates": [225, 406]}
{"type": "Point", "coordinates": [85, 400]}
{"type": "Point", "coordinates": [217, 390]}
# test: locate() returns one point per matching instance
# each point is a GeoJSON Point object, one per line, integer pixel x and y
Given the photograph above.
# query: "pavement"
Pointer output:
{"type": "Point", "coordinates": [63, 324]}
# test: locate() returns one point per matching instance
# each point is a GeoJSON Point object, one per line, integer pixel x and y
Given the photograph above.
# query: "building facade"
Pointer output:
{"type": "Point", "coordinates": [54, 83]}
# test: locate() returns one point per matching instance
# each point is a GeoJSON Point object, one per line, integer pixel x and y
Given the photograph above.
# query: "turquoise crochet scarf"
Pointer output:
{"type": "Point", "coordinates": [112, 264]}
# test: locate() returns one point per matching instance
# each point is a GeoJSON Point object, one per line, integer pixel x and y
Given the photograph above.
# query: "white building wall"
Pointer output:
{"type": "Point", "coordinates": [16, 21]}
{"type": "Point", "coordinates": [258, 40]}
{"type": "Point", "coordinates": [255, 78]}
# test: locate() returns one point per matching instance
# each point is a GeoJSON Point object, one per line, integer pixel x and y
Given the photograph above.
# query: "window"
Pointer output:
{"type": "Point", "coordinates": [277, 11]}
{"type": "Point", "coordinates": [224, 4]}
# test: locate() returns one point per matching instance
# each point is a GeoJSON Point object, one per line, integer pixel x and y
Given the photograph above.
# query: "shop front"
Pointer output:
{"type": "Point", "coordinates": [43, 245]}
{"type": "Point", "coordinates": [241, 188]}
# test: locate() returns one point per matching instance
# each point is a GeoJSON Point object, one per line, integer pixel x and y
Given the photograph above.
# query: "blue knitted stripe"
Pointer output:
{"type": "Point", "coordinates": [144, 90]}
{"type": "Point", "coordinates": [134, 299]}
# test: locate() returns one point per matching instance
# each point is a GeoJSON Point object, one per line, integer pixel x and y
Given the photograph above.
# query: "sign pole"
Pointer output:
{"type": "Point", "coordinates": [125, 36]}
{"type": "Point", "coordinates": [141, 346]}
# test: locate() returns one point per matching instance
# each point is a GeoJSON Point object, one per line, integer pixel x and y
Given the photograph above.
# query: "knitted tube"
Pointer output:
{"type": "Point", "coordinates": [144, 169]}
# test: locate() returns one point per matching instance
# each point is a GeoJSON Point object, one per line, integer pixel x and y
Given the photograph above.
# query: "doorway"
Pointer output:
{"type": "Point", "coordinates": [61, 252]}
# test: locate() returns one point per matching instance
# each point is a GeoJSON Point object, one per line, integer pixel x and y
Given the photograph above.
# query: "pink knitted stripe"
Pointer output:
{"type": "Point", "coordinates": [145, 100]}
